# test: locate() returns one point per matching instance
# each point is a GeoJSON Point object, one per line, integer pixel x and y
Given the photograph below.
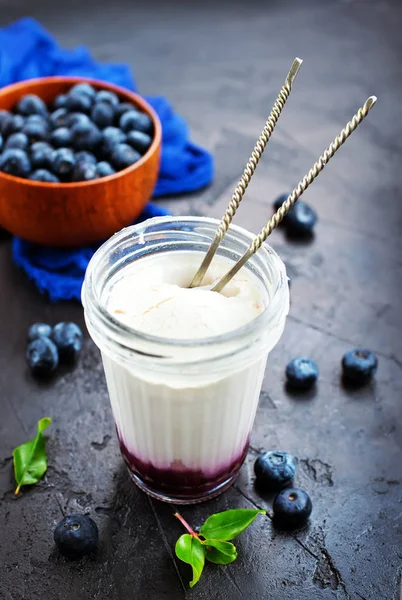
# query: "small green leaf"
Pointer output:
{"type": "Point", "coordinates": [30, 462]}
{"type": "Point", "coordinates": [220, 553]}
{"type": "Point", "coordinates": [191, 551]}
{"type": "Point", "coordinates": [229, 524]}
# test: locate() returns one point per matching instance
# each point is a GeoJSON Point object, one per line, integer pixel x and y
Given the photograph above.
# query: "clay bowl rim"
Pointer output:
{"type": "Point", "coordinates": [98, 83]}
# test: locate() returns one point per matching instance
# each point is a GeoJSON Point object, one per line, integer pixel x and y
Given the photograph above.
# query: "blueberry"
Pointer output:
{"type": "Point", "coordinates": [68, 339]}
{"type": "Point", "coordinates": [17, 140]}
{"type": "Point", "coordinates": [301, 218]}
{"type": "Point", "coordinates": [84, 171]}
{"type": "Point", "coordinates": [85, 156]}
{"type": "Point", "coordinates": [103, 169]}
{"type": "Point", "coordinates": [106, 96]}
{"type": "Point", "coordinates": [78, 102]}
{"type": "Point", "coordinates": [139, 141]}
{"type": "Point", "coordinates": [77, 118]}
{"type": "Point", "coordinates": [59, 118]}
{"type": "Point", "coordinates": [31, 105]}
{"type": "Point", "coordinates": [60, 101]}
{"type": "Point", "coordinates": [102, 114]}
{"type": "Point", "coordinates": [359, 365]}
{"type": "Point", "coordinates": [85, 136]}
{"type": "Point", "coordinates": [123, 156]}
{"type": "Point", "coordinates": [15, 124]}
{"type": "Point", "coordinates": [41, 155]}
{"type": "Point", "coordinates": [134, 119]}
{"type": "Point", "coordinates": [1, 142]}
{"type": "Point", "coordinates": [111, 136]}
{"type": "Point", "coordinates": [5, 120]}
{"type": "Point", "coordinates": [274, 470]}
{"type": "Point", "coordinates": [42, 356]}
{"type": "Point", "coordinates": [84, 88]}
{"type": "Point", "coordinates": [61, 137]}
{"type": "Point", "coordinates": [63, 162]}
{"type": "Point", "coordinates": [76, 535]}
{"type": "Point", "coordinates": [301, 373]}
{"type": "Point", "coordinates": [38, 330]}
{"type": "Point", "coordinates": [122, 108]}
{"type": "Point", "coordinates": [292, 507]}
{"type": "Point", "coordinates": [35, 131]}
{"type": "Point", "coordinates": [15, 162]}
{"type": "Point", "coordinates": [39, 119]}
{"type": "Point", "coordinates": [279, 201]}
{"type": "Point", "coordinates": [44, 175]}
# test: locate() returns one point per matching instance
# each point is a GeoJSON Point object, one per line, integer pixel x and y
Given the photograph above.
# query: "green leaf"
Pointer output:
{"type": "Point", "coordinates": [191, 551]}
{"type": "Point", "coordinates": [30, 462]}
{"type": "Point", "coordinates": [229, 524]}
{"type": "Point", "coordinates": [220, 553]}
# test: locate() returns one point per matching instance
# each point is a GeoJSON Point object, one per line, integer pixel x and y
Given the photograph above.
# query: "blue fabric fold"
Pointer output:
{"type": "Point", "coordinates": [27, 50]}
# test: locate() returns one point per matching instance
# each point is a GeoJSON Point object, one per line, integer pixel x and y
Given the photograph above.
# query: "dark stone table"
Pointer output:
{"type": "Point", "coordinates": [222, 64]}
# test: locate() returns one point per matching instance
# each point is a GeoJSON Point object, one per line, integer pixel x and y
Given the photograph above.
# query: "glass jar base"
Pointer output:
{"type": "Point", "coordinates": [187, 499]}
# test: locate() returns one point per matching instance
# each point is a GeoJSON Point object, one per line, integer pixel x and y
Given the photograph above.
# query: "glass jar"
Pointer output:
{"type": "Point", "coordinates": [183, 409]}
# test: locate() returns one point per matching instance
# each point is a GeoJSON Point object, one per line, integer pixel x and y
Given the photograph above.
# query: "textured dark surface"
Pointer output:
{"type": "Point", "coordinates": [222, 66]}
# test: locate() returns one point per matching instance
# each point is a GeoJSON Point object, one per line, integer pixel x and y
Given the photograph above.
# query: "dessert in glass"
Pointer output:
{"type": "Point", "coordinates": [184, 367]}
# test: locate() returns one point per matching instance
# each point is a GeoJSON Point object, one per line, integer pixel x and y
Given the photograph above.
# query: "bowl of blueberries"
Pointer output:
{"type": "Point", "coordinates": [79, 159]}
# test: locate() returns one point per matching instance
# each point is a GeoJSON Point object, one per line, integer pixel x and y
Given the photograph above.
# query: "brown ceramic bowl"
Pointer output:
{"type": "Point", "coordinates": [73, 214]}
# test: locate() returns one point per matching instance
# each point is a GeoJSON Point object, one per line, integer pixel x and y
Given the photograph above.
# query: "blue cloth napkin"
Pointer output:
{"type": "Point", "coordinates": [27, 50]}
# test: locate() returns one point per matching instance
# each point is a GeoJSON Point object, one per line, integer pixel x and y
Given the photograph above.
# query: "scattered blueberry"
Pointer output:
{"type": "Point", "coordinates": [41, 155]}
{"type": "Point", "coordinates": [62, 162]}
{"type": "Point", "coordinates": [35, 131]}
{"type": "Point", "coordinates": [103, 169]}
{"type": "Point", "coordinates": [31, 105]}
{"type": "Point", "coordinates": [301, 218]}
{"type": "Point", "coordinates": [85, 156]}
{"type": "Point", "coordinates": [15, 162]}
{"type": "Point", "coordinates": [61, 137]}
{"type": "Point", "coordinates": [84, 171]}
{"type": "Point", "coordinates": [38, 330]}
{"type": "Point", "coordinates": [292, 507]}
{"type": "Point", "coordinates": [68, 339]}
{"type": "Point", "coordinates": [301, 373]}
{"type": "Point", "coordinates": [44, 175]}
{"type": "Point", "coordinates": [78, 102]}
{"type": "Point", "coordinates": [60, 101]}
{"type": "Point", "coordinates": [274, 470]}
{"type": "Point", "coordinates": [42, 356]}
{"type": "Point", "coordinates": [76, 535]}
{"type": "Point", "coordinates": [134, 119]}
{"type": "Point", "coordinates": [85, 136]}
{"type": "Point", "coordinates": [139, 141]}
{"type": "Point", "coordinates": [122, 108]}
{"type": "Point", "coordinates": [359, 365]}
{"type": "Point", "coordinates": [60, 118]}
{"type": "Point", "coordinates": [106, 96]}
{"type": "Point", "coordinates": [84, 88]}
{"type": "Point", "coordinates": [102, 114]}
{"type": "Point", "coordinates": [17, 140]}
{"type": "Point", "coordinates": [123, 156]}
{"type": "Point", "coordinates": [111, 136]}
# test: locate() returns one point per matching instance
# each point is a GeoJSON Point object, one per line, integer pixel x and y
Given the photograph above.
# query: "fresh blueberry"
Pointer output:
{"type": "Point", "coordinates": [123, 156]}
{"type": "Point", "coordinates": [122, 108]}
{"type": "Point", "coordinates": [111, 136]}
{"type": "Point", "coordinates": [102, 114]}
{"type": "Point", "coordinates": [15, 124]}
{"type": "Point", "coordinates": [39, 119]}
{"type": "Point", "coordinates": [274, 470]}
{"type": "Point", "coordinates": [61, 137]}
{"type": "Point", "coordinates": [292, 507]}
{"type": "Point", "coordinates": [78, 102]}
{"type": "Point", "coordinates": [59, 118]}
{"type": "Point", "coordinates": [76, 535]}
{"type": "Point", "coordinates": [42, 356]}
{"type": "Point", "coordinates": [1, 142]}
{"type": "Point", "coordinates": [15, 162]}
{"type": "Point", "coordinates": [301, 373]}
{"type": "Point", "coordinates": [41, 155]}
{"type": "Point", "coordinates": [103, 169]}
{"type": "Point", "coordinates": [85, 136]}
{"type": "Point", "coordinates": [359, 365]}
{"type": "Point", "coordinates": [5, 120]}
{"type": "Point", "coordinates": [63, 162]}
{"type": "Point", "coordinates": [106, 96]}
{"type": "Point", "coordinates": [31, 105]}
{"type": "Point", "coordinates": [279, 201]}
{"type": "Point", "coordinates": [38, 330]}
{"type": "Point", "coordinates": [139, 141]}
{"type": "Point", "coordinates": [60, 101]}
{"type": "Point", "coordinates": [133, 119]}
{"type": "Point", "coordinates": [68, 339]}
{"type": "Point", "coordinates": [83, 88]}
{"type": "Point", "coordinates": [77, 118]}
{"type": "Point", "coordinates": [84, 171]}
{"type": "Point", "coordinates": [85, 156]}
{"type": "Point", "coordinates": [17, 140]}
{"type": "Point", "coordinates": [35, 131]}
{"type": "Point", "coordinates": [301, 218]}
{"type": "Point", "coordinates": [44, 175]}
